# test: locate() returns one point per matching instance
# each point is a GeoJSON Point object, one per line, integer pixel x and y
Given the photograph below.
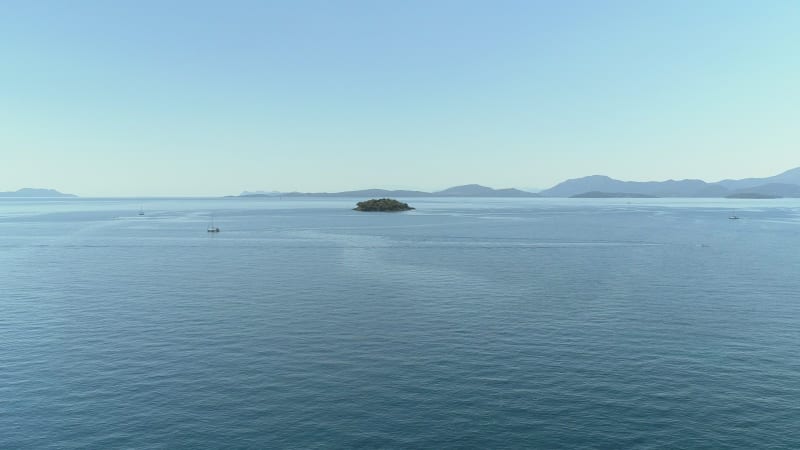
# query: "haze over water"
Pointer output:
{"type": "Point", "coordinates": [468, 323]}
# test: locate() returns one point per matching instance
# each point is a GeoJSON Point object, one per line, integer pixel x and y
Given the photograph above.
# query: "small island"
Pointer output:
{"type": "Point", "coordinates": [382, 205]}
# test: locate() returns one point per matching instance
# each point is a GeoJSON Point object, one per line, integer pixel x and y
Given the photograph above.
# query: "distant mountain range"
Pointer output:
{"type": "Point", "coordinates": [786, 184]}
{"type": "Point", "coordinates": [32, 192]}
{"type": "Point", "coordinates": [469, 190]}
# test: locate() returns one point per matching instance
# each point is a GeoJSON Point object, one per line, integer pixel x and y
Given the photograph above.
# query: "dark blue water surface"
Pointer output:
{"type": "Point", "coordinates": [464, 324]}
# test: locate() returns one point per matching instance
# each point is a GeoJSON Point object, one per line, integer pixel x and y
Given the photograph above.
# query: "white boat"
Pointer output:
{"type": "Point", "coordinates": [211, 227]}
{"type": "Point", "coordinates": [734, 217]}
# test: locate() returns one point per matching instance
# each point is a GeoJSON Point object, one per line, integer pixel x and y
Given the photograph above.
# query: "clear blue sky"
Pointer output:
{"type": "Point", "coordinates": [207, 98]}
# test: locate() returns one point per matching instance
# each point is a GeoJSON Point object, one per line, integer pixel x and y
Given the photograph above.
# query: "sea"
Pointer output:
{"type": "Point", "coordinates": [466, 323]}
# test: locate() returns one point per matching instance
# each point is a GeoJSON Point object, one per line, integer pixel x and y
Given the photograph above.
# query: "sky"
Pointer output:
{"type": "Point", "coordinates": [148, 98]}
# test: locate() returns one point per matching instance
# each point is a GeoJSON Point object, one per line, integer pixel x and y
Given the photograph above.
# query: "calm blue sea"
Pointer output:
{"type": "Point", "coordinates": [468, 323]}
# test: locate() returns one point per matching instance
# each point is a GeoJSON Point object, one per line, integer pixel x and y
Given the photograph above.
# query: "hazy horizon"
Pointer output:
{"type": "Point", "coordinates": [385, 187]}
{"type": "Point", "coordinates": [200, 98]}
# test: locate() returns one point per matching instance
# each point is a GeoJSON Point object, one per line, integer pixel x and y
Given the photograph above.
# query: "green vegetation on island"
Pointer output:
{"type": "Point", "coordinates": [382, 205]}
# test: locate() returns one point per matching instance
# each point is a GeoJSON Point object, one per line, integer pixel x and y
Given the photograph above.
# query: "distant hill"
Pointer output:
{"type": "Point", "coordinates": [362, 193]}
{"type": "Point", "coordinates": [786, 184]}
{"type": "Point", "coordinates": [469, 190]}
{"type": "Point", "coordinates": [476, 190]}
{"type": "Point", "coordinates": [601, 183]}
{"type": "Point", "coordinates": [789, 177]}
{"type": "Point", "coordinates": [259, 194]}
{"type": "Point", "coordinates": [34, 193]}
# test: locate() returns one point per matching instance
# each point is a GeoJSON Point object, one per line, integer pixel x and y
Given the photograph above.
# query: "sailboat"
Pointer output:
{"type": "Point", "coordinates": [211, 227]}
{"type": "Point", "coordinates": [141, 210]}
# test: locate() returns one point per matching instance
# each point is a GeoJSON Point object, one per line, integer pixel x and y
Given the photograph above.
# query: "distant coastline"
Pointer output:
{"type": "Point", "coordinates": [36, 193]}
{"type": "Point", "coordinates": [753, 195]}
{"type": "Point", "coordinates": [597, 194]}
{"type": "Point", "coordinates": [468, 190]}
{"type": "Point", "coordinates": [786, 184]}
